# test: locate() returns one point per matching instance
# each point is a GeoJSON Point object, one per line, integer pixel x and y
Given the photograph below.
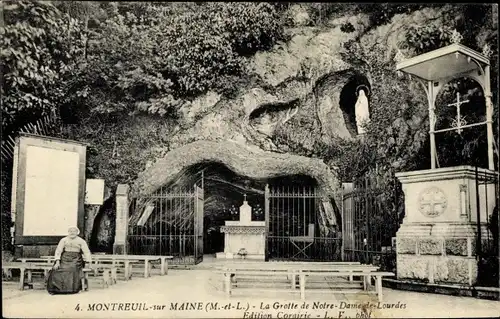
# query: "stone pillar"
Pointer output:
{"type": "Point", "coordinates": [489, 118]}
{"type": "Point", "coordinates": [437, 239]}
{"type": "Point", "coordinates": [122, 207]}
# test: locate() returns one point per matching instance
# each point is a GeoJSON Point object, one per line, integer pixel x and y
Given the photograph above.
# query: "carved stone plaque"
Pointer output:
{"type": "Point", "coordinates": [432, 202]}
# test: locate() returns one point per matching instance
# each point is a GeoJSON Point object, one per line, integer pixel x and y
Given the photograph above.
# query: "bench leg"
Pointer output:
{"type": "Point", "coordinates": [162, 267]}
{"type": "Point", "coordinates": [21, 279]}
{"type": "Point", "coordinates": [166, 267]}
{"type": "Point", "coordinates": [292, 277]}
{"type": "Point", "coordinates": [227, 285]}
{"type": "Point", "coordinates": [127, 271]}
{"type": "Point", "coordinates": [379, 288]}
{"type": "Point", "coordinates": [302, 286]}
{"type": "Point", "coordinates": [351, 278]}
{"type": "Point", "coordinates": [367, 283]}
{"type": "Point", "coordinates": [146, 268]}
{"type": "Point", "coordinates": [86, 277]}
{"type": "Point", "coordinates": [7, 273]}
{"type": "Point", "coordinates": [30, 276]}
{"type": "Point", "coordinates": [114, 275]}
{"type": "Point", "coordinates": [105, 277]}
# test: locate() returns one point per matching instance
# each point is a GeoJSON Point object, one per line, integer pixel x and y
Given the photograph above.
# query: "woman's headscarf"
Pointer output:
{"type": "Point", "coordinates": [75, 228]}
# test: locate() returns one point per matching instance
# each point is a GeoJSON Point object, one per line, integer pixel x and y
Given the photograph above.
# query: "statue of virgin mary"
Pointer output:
{"type": "Point", "coordinates": [361, 109]}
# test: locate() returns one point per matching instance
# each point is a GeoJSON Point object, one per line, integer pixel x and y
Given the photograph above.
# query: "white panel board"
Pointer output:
{"type": "Point", "coordinates": [94, 192]}
{"type": "Point", "coordinates": [51, 193]}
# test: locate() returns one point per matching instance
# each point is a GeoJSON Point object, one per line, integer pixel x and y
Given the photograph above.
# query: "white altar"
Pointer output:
{"type": "Point", "coordinates": [244, 238]}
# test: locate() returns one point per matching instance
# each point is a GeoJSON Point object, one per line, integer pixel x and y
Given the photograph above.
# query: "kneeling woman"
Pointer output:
{"type": "Point", "coordinates": [67, 273]}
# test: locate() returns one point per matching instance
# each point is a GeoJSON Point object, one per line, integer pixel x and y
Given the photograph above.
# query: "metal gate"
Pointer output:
{"type": "Point", "coordinates": [295, 226]}
{"type": "Point", "coordinates": [168, 222]}
{"type": "Point", "coordinates": [487, 244]}
{"type": "Point", "coordinates": [370, 219]}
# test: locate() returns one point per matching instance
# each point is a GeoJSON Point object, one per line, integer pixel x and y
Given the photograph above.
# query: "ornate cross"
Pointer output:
{"type": "Point", "coordinates": [432, 202]}
{"type": "Point", "coordinates": [459, 121]}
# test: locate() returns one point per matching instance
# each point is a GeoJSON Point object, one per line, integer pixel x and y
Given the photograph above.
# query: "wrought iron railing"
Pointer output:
{"type": "Point", "coordinates": [487, 241]}
{"type": "Point", "coordinates": [168, 222]}
{"type": "Point", "coordinates": [371, 218]}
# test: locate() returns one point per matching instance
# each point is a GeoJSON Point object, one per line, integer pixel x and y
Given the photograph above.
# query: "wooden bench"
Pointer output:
{"type": "Point", "coordinates": [115, 265]}
{"type": "Point", "coordinates": [101, 260]}
{"type": "Point", "coordinates": [128, 261]}
{"type": "Point", "coordinates": [294, 267]}
{"type": "Point", "coordinates": [108, 272]}
{"type": "Point", "coordinates": [147, 259]}
{"type": "Point", "coordinates": [26, 268]}
{"type": "Point", "coordinates": [237, 274]}
{"type": "Point", "coordinates": [366, 287]}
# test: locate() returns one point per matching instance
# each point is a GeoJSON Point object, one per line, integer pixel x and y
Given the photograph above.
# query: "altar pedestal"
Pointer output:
{"type": "Point", "coordinates": [244, 235]}
{"type": "Point", "coordinates": [437, 239]}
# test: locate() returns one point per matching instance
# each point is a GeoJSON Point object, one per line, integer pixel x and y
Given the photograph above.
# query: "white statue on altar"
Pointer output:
{"type": "Point", "coordinates": [361, 109]}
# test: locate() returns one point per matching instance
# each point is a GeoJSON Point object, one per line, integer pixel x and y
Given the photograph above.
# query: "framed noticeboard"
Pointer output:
{"type": "Point", "coordinates": [50, 189]}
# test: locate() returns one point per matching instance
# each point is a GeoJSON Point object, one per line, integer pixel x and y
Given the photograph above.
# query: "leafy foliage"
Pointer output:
{"type": "Point", "coordinates": [155, 59]}
{"type": "Point", "coordinates": [39, 47]}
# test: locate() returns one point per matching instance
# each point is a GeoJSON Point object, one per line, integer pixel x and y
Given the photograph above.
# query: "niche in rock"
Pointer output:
{"type": "Point", "coordinates": [268, 116]}
{"type": "Point", "coordinates": [349, 97]}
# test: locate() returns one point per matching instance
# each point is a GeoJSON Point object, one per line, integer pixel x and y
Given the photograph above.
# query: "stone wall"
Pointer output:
{"type": "Point", "coordinates": [438, 259]}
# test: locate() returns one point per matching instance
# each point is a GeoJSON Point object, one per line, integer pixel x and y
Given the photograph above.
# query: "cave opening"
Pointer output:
{"type": "Point", "coordinates": [224, 191]}
{"type": "Point", "coordinates": [348, 99]}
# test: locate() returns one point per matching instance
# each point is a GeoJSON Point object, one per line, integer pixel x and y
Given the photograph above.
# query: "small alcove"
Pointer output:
{"type": "Point", "coordinates": [348, 99]}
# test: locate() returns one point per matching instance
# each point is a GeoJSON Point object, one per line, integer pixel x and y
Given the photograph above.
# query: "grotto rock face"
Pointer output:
{"type": "Point", "coordinates": [299, 83]}
{"type": "Point", "coordinates": [301, 88]}
{"type": "Point", "coordinates": [244, 161]}
{"type": "Point", "coordinates": [304, 92]}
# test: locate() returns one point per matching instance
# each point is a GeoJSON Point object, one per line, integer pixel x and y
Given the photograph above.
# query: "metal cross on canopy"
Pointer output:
{"type": "Point", "coordinates": [245, 197]}
{"type": "Point", "coordinates": [436, 68]}
{"type": "Point", "coordinates": [459, 123]}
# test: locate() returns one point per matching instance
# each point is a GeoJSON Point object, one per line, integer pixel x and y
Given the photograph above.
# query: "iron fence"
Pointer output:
{"type": "Point", "coordinates": [487, 241]}
{"type": "Point", "coordinates": [168, 222]}
{"type": "Point", "coordinates": [297, 226]}
{"type": "Point", "coordinates": [371, 217]}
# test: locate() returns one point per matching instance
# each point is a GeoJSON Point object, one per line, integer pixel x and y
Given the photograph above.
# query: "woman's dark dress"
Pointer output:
{"type": "Point", "coordinates": [68, 278]}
